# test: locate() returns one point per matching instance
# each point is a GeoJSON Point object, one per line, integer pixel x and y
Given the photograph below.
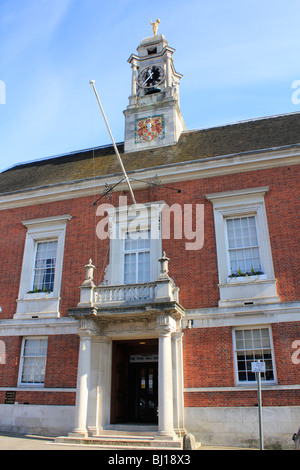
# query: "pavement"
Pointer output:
{"type": "Point", "coordinates": [11, 441]}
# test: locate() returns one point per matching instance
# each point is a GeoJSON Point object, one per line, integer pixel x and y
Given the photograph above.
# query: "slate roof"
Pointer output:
{"type": "Point", "coordinates": [247, 136]}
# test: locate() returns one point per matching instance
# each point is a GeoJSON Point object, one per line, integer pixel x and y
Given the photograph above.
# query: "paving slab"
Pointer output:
{"type": "Point", "coordinates": [12, 441]}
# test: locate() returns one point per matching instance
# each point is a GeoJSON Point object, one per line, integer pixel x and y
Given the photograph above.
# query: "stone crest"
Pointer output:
{"type": "Point", "coordinates": [149, 129]}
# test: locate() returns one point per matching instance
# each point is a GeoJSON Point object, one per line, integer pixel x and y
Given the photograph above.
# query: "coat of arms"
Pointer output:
{"type": "Point", "coordinates": [150, 128]}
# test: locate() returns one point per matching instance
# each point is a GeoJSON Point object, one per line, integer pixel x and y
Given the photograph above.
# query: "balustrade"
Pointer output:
{"type": "Point", "coordinates": [161, 290]}
{"type": "Point", "coordinates": [125, 293]}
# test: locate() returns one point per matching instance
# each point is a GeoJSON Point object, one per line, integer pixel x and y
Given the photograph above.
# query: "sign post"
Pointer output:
{"type": "Point", "coordinates": [258, 368]}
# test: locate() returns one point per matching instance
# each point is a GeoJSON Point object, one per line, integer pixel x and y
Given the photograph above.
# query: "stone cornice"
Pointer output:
{"type": "Point", "coordinates": [63, 325]}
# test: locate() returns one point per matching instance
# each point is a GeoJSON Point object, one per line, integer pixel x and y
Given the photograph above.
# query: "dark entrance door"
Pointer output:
{"type": "Point", "coordinates": [134, 382]}
{"type": "Point", "coordinates": [144, 392]}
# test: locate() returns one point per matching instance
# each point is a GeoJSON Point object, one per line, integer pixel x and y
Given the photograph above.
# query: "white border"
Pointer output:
{"type": "Point", "coordinates": [26, 384]}
{"type": "Point", "coordinates": [120, 221]}
{"type": "Point", "coordinates": [238, 203]}
{"type": "Point", "coordinates": [252, 327]}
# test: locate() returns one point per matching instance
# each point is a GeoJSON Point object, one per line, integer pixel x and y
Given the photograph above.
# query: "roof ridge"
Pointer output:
{"type": "Point", "coordinates": [244, 121]}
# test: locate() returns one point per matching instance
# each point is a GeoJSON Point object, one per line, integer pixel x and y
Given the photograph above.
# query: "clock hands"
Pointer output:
{"type": "Point", "coordinates": [149, 76]}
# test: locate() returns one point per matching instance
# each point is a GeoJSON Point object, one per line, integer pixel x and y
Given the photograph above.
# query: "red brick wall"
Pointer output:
{"type": "Point", "coordinates": [10, 369]}
{"type": "Point", "coordinates": [284, 334]}
{"type": "Point", "coordinates": [79, 247]}
{"type": "Point", "coordinates": [195, 272]}
{"type": "Point", "coordinates": [208, 357]}
{"type": "Point", "coordinates": [42, 398]}
{"type": "Point", "coordinates": [12, 242]}
{"type": "Point", "coordinates": [62, 360]}
{"type": "Point", "coordinates": [242, 398]}
{"type": "Point", "coordinates": [208, 362]}
{"type": "Point", "coordinates": [61, 370]}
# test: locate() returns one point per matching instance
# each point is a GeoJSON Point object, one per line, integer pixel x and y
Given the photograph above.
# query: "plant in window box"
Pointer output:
{"type": "Point", "coordinates": [37, 292]}
{"type": "Point", "coordinates": [252, 275]}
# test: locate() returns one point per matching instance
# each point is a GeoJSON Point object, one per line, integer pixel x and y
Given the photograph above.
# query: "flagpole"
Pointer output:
{"type": "Point", "coordinates": [92, 82]}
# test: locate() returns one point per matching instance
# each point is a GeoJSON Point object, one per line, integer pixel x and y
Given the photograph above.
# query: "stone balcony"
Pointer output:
{"type": "Point", "coordinates": [128, 299]}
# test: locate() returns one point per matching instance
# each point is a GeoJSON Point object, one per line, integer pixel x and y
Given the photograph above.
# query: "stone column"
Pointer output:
{"type": "Point", "coordinates": [133, 83]}
{"type": "Point", "coordinates": [104, 382]}
{"type": "Point", "coordinates": [133, 96]}
{"type": "Point", "coordinates": [169, 72]}
{"type": "Point", "coordinates": [178, 382]}
{"type": "Point", "coordinates": [83, 379]}
{"type": "Point", "coordinates": [99, 385]}
{"type": "Point", "coordinates": [165, 389]}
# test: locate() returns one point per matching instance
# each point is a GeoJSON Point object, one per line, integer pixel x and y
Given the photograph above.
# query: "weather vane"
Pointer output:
{"type": "Point", "coordinates": [155, 26]}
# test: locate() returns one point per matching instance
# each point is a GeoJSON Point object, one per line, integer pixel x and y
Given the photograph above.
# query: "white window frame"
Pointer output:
{"type": "Point", "coordinates": [35, 257]}
{"type": "Point", "coordinates": [41, 304]}
{"type": "Point", "coordinates": [242, 290]}
{"type": "Point", "coordinates": [30, 384]}
{"type": "Point", "coordinates": [253, 382]}
{"type": "Point", "coordinates": [121, 220]}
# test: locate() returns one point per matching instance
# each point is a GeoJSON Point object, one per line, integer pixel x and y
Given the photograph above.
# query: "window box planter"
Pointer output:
{"type": "Point", "coordinates": [247, 277]}
{"type": "Point", "coordinates": [38, 295]}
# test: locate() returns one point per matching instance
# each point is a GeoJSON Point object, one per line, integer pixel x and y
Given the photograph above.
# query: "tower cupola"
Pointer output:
{"type": "Point", "coordinates": [153, 117]}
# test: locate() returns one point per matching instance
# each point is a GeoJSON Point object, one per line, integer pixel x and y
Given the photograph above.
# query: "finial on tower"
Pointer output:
{"type": "Point", "coordinates": [155, 26]}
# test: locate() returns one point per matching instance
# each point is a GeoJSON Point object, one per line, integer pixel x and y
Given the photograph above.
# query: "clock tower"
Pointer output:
{"type": "Point", "coordinates": [153, 117]}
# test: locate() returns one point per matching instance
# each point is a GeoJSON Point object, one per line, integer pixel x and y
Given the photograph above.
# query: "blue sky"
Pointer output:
{"type": "Point", "coordinates": [239, 59]}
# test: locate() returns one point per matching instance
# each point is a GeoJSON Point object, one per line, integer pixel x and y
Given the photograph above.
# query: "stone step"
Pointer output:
{"type": "Point", "coordinates": [122, 442]}
{"type": "Point", "coordinates": [129, 430]}
{"type": "Point", "coordinates": [125, 436]}
{"type": "Point", "coordinates": [119, 435]}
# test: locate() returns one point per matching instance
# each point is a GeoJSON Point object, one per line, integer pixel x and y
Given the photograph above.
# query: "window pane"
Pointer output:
{"type": "Point", "coordinates": [44, 270]}
{"type": "Point", "coordinates": [137, 257]}
{"type": "Point", "coordinates": [233, 261]}
{"type": "Point", "coordinates": [34, 361]}
{"type": "Point", "coordinates": [144, 267]}
{"type": "Point", "coordinates": [243, 245]}
{"type": "Point", "coordinates": [129, 268]}
{"type": "Point", "coordinates": [137, 240]}
{"type": "Point", "coordinates": [253, 345]}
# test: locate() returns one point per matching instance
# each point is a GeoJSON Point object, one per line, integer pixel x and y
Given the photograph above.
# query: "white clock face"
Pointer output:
{"type": "Point", "coordinates": [151, 76]}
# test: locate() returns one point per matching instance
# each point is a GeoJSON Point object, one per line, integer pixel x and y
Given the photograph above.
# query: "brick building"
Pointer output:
{"type": "Point", "coordinates": [151, 313]}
